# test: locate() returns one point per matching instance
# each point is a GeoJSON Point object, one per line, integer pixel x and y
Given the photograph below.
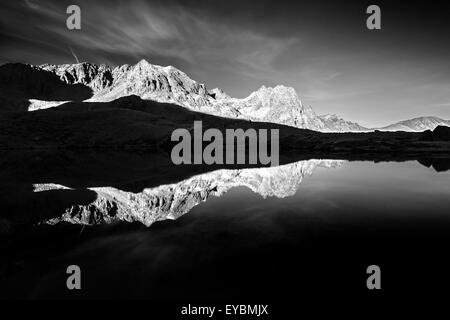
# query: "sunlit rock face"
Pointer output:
{"type": "Point", "coordinates": [336, 123]}
{"type": "Point", "coordinates": [278, 105]}
{"type": "Point", "coordinates": [91, 75]}
{"type": "Point", "coordinates": [164, 84]}
{"type": "Point", "coordinates": [174, 200]}
{"type": "Point", "coordinates": [148, 81]}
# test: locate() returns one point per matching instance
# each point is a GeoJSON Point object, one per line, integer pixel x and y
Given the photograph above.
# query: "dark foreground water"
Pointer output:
{"type": "Point", "coordinates": [307, 231]}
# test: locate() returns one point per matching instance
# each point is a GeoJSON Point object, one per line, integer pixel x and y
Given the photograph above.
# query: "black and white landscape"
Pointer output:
{"type": "Point", "coordinates": [31, 88]}
{"type": "Point", "coordinates": [87, 179]}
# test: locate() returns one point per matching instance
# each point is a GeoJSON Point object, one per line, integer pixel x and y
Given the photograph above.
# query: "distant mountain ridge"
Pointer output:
{"type": "Point", "coordinates": [280, 104]}
{"type": "Point", "coordinates": [417, 124]}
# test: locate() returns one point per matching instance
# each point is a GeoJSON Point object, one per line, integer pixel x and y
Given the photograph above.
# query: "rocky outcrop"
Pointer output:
{"type": "Point", "coordinates": [441, 133]}
{"type": "Point", "coordinates": [22, 82]}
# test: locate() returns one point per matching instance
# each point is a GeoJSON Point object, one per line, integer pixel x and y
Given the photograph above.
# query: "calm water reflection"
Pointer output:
{"type": "Point", "coordinates": [312, 227]}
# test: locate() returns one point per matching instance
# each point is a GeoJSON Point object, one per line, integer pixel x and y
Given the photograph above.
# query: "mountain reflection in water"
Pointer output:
{"type": "Point", "coordinates": [312, 225]}
{"type": "Point", "coordinates": [171, 201]}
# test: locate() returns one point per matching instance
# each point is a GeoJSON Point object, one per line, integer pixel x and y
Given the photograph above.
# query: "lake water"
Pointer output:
{"type": "Point", "coordinates": [309, 228]}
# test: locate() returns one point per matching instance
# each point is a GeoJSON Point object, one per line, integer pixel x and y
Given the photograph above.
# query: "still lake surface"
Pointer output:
{"type": "Point", "coordinates": [309, 229]}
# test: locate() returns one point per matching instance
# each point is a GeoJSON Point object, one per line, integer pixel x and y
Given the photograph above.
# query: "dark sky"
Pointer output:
{"type": "Point", "coordinates": [321, 48]}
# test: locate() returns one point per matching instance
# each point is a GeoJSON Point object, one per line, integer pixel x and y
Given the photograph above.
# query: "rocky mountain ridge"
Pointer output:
{"type": "Point", "coordinates": [167, 84]}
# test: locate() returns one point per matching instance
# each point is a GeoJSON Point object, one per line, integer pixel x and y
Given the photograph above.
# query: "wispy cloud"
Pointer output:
{"type": "Point", "coordinates": [332, 76]}
{"type": "Point", "coordinates": [32, 4]}
{"type": "Point", "coordinates": [74, 55]}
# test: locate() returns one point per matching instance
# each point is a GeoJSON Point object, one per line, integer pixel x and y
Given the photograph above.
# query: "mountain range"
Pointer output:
{"type": "Point", "coordinates": [27, 87]}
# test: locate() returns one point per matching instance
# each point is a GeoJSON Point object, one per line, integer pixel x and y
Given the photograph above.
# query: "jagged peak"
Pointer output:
{"type": "Point", "coordinates": [143, 62]}
{"type": "Point", "coordinates": [285, 95]}
{"type": "Point", "coordinates": [144, 65]}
